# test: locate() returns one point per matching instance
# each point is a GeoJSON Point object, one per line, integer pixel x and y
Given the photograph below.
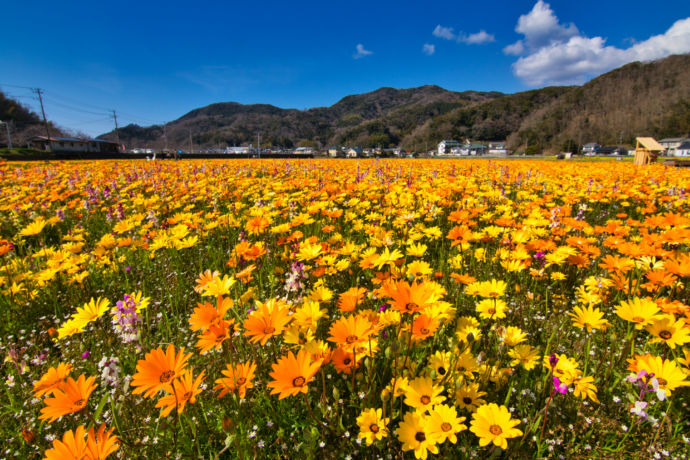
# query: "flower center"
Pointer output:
{"type": "Point", "coordinates": [186, 396]}
{"type": "Point", "coordinates": [299, 381]}
{"type": "Point", "coordinates": [425, 399]}
{"type": "Point", "coordinates": [638, 319]}
{"type": "Point", "coordinates": [445, 426]}
{"type": "Point", "coordinates": [661, 381]}
{"type": "Point", "coordinates": [347, 361]}
{"type": "Point", "coordinates": [491, 311]}
{"type": "Point", "coordinates": [269, 330]}
{"type": "Point", "coordinates": [411, 306]}
{"type": "Point", "coordinates": [166, 376]}
{"type": "Point", "coordinates": [467, 400]}
{"type": "Point", "coordinates": [442, 370]}
{"type": "Point", "coordinates": [424, 331]}
{"type": "Point", "coordinates": [241, 381]}
{"type": "Point", "coordinates": [420, 437]}
{"type": "Point", "coordinates": [351, 339]}
{"type": "Point", "coordinates": [80, 403]}
{"type": "Point", "coordinates": [495, 430]}
{"type": "Point", "coordinates": [374, 428]}
{"type": "Point", "coordinates": [665, 335]}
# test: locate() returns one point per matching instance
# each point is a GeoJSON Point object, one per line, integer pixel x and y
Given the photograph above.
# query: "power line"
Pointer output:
{"type": "Point", "coordinates": [74, 109]}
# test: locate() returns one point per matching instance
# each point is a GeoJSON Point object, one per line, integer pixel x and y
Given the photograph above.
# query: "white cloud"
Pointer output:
{"type": "Point", "coordinates": [444, 32]}
{"type": "Point", "coordinates": [361, 52]}
{"type": "Point", "coordinates": [479, 38]}
{"type": "Point", "coordinates": [515, 49]}
{"type": "Point", "coordinates": [428, 49]}
{"type": "Point", "coordinates": [556, 54]}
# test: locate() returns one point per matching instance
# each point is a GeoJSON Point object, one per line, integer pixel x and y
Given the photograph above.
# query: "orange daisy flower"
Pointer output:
{"type": "Point", "coordinates": [71, 397]}
{"type": "Point", "coordinates": [51, 381]}
{"type": "Point", "coordinates": [344, 361]}
{"type": "Point", "coordinates": [184, 391]}
{"type": "Point", "coordinates": [411, 298]}
{"type": "Point", "coordinates": [349, 331]}
{"type": "Point", "coordinates": [291, 374]}
{"type": "Point", "coordinates": [72, 446]}
{"type": "Point", "coordinates": [206, 314]}
{"type": "Point", "coordinates": [349, 299]}
{"type": "Point", "coordinates": [204, 279]}
{"type": "Point", "coordinates": [215, 336]}
{"type": "Point", "coordinates": [424, 327]}
{"type": "Point", "coordinates": [237, 378]}
{"type": "Point", "coordinates": [157, 370]}
{"type": "Point", "coordinates": [101, 444]}
{"type": "Point", "coordinates": [267, 321]}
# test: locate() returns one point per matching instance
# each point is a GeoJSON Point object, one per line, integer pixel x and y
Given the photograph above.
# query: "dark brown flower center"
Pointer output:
{"type": "Point", "coordinates": [467, 400]}
{"type": "Point", "coordinates": [80, 403]}
{"type": "Point", "coordinates": [665, 335]}
{"type": "Point", "coordinates": [351, 339]}
{"type": "Point", "coordinates": [445, 426]}
{"type": "Point", "coordinates": [347, 361]}
{"type": "Point", "coordinates": [411, 306]}
{"type": "Point", "coordinates": [167, 376]}
{"type": "Point", "coordinates": [425, 399]}
{"type": "Point", "coordinates": [491, 311]}
{"type": "Point", "coordinates": [424, 331]}
{"type": "Point", "coordinates": [187, 396]}
{"type": "Point", "coordinates": [269, 330]}
{"type": "Point", "coordinates": [420, 437]}
{"type": "Point", "coordinates": [661, 381]}
{"type": "Point", "coordinates": [374, 428]}
{"type": "Point", "coordinates": [638, 319]}
{"type": "Point", "coordinates": [442, 370]}
{"type": "Point", "coordinates": [495, 430]}
{"type": "Point", "coordinates": [299, 381]}
{"type": "Point", "coordinates": [241, 381]}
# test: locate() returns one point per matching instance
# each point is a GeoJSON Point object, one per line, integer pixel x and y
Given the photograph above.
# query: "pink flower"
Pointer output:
{"type": "Point", "coordinates": [562, 388]}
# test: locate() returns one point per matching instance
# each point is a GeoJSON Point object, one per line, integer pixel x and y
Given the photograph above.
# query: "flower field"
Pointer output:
{"type": "Point", "coordinates": [344, 309]}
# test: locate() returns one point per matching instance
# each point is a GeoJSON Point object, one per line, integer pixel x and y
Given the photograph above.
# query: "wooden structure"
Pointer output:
{"type": "Point", "coordinates": [647, 150]}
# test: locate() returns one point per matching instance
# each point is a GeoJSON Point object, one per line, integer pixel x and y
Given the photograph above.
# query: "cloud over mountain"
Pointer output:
{"type": "Point", "coordinates": [553, 53]}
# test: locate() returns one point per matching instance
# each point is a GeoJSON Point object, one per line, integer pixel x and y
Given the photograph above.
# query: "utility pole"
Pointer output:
{"type": "Point", "coordinates": [117, 134]}
{"type": "Point", "coordinates": [9, 137]}
{"type": "Point", "coordinates": [45, 122]}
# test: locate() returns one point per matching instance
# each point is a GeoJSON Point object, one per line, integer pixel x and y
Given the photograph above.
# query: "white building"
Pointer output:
{"type": "Point", "coordinates": [446, 146]}
{"type": "Point", "coordinates": [672, 143]}
{"type": "Point", "coordinates": [683, 150]}
{"type": "Point", "coordinates": [497, 148]}
{"type": "Point", "coordinates": [241, 149]}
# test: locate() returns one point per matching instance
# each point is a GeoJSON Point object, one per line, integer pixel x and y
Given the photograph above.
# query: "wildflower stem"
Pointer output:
{"type": "Point", "coordinates": [546, 413]}
{"type": "Point", "coordinates": [589, 344]}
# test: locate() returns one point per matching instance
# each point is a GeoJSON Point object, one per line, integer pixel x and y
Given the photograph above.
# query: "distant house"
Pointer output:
{"type": "Point", "coordinates": [446, 146]}
{"type": "Point", "coordinates": [683, 150]}
{"type": "Point", "coordinates": [354, 152]}
{"type": "Point", "coordinates": [497, 148]}
{"type": "Point", "coordinates": [75, 145]}
{"type": "Point", "coordinates": [590, 148]}
{"type": "Point", "coordinates": [612, 150]}
{"type": "Point", "coordinates": [472, 149]}
{"type": "Point", "coordinates": [335, 151]}
{"type": "Point", "coordinates": [672, 143]}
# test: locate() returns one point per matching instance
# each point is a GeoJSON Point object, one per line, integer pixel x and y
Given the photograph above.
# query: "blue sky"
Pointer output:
{"type": "Point", "coordinates": [154, 61]}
